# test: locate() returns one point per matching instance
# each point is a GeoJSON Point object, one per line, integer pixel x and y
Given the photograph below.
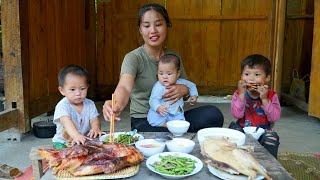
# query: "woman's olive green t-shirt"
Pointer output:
{"type": "Point", "coordinates": [145, 70]}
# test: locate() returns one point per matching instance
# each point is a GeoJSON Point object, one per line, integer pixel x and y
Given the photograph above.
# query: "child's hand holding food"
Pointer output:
{"type": "Point", "coordinates": [242, 88]}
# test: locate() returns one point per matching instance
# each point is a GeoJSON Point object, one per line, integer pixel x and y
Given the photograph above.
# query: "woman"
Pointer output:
{"type": "Point", "coordinates": [139, 74]}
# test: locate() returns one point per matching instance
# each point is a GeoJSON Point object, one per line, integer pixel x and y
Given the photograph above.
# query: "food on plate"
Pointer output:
{"type": "Point", "coordinates": [232, 135]}
{"type": "Point", "coordinates": [181, 144]}
{"type": "Point", "coordinates": [150, 145]}
{"type": "Point", "coordinates": [124, 139]}
{"type": "Point", "coordinates": [174, 165]}
{"type": "Point", "coordinates": [92, 158]}
{"type": "Point", "coordinates": [225, 156]}
{"type": "Point", "coordinates": [230, 139]}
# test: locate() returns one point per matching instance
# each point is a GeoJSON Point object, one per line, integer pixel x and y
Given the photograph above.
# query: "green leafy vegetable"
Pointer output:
{"type": "Point", "coordinates": [174, 165]}
{"type": "Point", "coordinates": [124, 139]}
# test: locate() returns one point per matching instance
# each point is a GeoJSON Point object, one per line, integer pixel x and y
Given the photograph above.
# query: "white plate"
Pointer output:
{"type": "Point", "coordinates": [155, 158]}
{"type": "Point", "coordinates": [224, 175]}
{"type": "Point", "coordinates": [116, 134]}
{"type": "Point", "coordinates": [233, 135]}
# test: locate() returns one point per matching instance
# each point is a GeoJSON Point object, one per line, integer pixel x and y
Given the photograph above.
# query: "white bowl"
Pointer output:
{"type": "Point", "coordinates": [178, 127]}
{"type": "Point", "coordinates": [251, 130]}
{"type": "Point", "coordinates": [149, 147]}
{"type": "Point", "coordinates": [233, 136]}
{"type": "Point", "coordinates": [180, 145]}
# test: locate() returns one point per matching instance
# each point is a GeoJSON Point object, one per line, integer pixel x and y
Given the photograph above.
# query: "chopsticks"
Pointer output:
{"type": "Point", "coordinates": [112, 120]}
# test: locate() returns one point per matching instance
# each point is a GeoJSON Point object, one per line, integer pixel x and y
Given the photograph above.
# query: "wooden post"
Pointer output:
{"type": "Point", "coordinates": [314, 96]}
{"type": "Point", "coordinates": [13, 70]}
{"type": "Point", "coordinates": [280, 15]}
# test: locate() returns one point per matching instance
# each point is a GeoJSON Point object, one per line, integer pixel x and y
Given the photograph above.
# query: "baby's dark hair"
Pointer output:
{"type": "Point", "coordinates": [171, 58]}
{"type": "Point", "coordinates": [72, 69]}
{"type": "Point", "coordinates": [157, 7]}
{"type": "Point", "coordinates": [257, 60]}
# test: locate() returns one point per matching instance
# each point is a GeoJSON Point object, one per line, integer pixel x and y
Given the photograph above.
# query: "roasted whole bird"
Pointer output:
{"type": "Point", "coordinates": [225, 156]}
{"type": "Point", "coordinates": [92, 158]}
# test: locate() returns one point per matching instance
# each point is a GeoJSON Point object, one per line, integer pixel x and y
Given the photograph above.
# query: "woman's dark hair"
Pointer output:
{"type": "Point", "coordinates": [160, 9]}
{"type": "Point", "coordinates": [257, 60]}
{"type": "Point", "coordinates": [72, 69]}
{"type": "Point", "coordinates": [168, 58]}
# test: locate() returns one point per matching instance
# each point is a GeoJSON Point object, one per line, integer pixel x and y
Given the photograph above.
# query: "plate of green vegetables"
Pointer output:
{"type": "Point", "coordinates": [128, 138]}
{"type": "Point", "coordinates": [174, 165]}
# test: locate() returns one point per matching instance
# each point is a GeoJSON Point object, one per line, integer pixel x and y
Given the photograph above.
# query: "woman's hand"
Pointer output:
{"type": "Point", "coordinates": [108, 111]}
{"type": "Point", "coordinates": [122, 94]}
{"type": "Point", "coordinates": [175, 92]}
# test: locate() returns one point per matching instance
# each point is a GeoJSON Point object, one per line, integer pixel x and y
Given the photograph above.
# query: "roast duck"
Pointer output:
{"type": "Point", "coordinates": [226, 156]}
{"type": "Point", "coordinates": [92, 158]}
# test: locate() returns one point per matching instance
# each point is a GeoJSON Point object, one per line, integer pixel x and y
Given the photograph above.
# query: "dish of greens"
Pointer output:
{"type": "Point", "coordinates": [174, 164]}
{"type": "Point", "coordinates": [127, 138]}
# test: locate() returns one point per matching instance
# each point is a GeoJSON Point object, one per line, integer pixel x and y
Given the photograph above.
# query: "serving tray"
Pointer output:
{"type": "Point", "coordinates": [123, 173]}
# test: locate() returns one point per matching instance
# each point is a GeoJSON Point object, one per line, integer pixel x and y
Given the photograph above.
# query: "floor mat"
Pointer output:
{"type": "Point", "coordinates": [301, 166]}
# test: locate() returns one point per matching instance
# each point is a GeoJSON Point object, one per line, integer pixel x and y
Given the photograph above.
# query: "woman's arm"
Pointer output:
{"type": "Point", "coordinates": [122, 95]}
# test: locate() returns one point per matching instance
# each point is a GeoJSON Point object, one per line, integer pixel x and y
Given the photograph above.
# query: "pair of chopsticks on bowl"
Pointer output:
{"type": "Point", "coordinates": [112, 120]}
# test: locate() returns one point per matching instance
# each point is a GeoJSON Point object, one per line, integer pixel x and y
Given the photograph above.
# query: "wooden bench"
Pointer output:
{"type": "Point", "coordinates": [36, 161]}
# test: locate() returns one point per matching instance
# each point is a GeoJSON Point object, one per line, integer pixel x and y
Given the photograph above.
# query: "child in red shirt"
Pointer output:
{"type": "Point", "coordinates": [254, 104]}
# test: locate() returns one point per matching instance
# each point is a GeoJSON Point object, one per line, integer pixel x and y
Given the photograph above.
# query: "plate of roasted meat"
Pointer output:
{"type": "Point", "coordinates": [94, 159]}
{"type": "Point", "coordinates": [228, 161]}
{"type": "Point", "coordinates": [128, 138]}
{"type": "Point", "coordinates": [174, 165]}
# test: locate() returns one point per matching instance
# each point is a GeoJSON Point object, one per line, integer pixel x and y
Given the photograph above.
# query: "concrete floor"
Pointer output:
{"type": "Point", "coordinates": [298, 133]}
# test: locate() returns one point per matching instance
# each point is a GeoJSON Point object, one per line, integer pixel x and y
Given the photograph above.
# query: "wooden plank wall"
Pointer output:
{"type": "Point", "coordinates": [212, 36]}
{"type": "Point", "coordinates": [298, 41]}
{"type": "Point", "coordinates": [59, 32]}
{"type": "Point", "coordinates": [314, 107]}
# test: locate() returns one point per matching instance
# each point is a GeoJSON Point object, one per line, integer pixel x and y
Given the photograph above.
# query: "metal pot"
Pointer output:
{"type": "Point", "coordinates": [44, 129]}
